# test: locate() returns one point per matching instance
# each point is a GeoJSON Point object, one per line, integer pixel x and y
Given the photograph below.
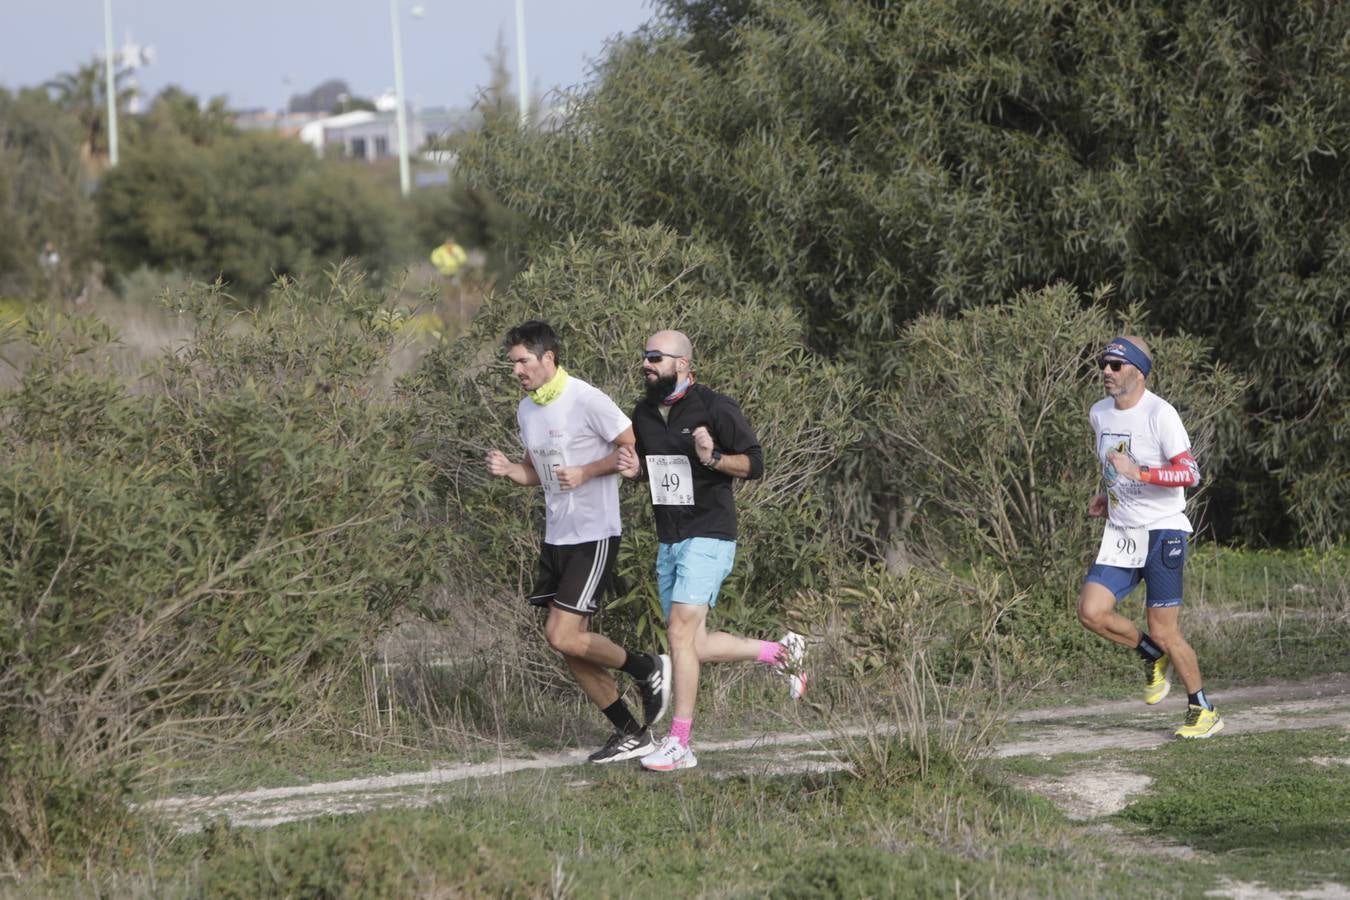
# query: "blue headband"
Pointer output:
{"type": "Point", "coordinates": [1128, 352]}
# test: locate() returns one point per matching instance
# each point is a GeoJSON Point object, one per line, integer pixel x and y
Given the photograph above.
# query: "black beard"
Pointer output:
{"type": "Point", "coordinates": [660, 389]}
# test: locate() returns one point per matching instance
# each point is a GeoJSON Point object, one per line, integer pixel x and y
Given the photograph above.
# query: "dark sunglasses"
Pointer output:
{"type": "Point", "coordinates": [1113, 364]}
{"type": "Point", "coordinates": [657, 355]}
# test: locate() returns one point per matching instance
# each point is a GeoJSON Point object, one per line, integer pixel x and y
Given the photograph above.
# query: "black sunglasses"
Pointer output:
{"type": "Point", "coordinates": [1113, 364]}
{"type": "Point", "coordinates": [657, 355]}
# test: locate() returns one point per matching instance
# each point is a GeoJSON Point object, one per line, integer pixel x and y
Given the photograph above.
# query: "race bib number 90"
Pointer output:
{"type": "Point", "coordinates": [1125, 548]}
{"type": "Point", "coordinates": [671, 480]}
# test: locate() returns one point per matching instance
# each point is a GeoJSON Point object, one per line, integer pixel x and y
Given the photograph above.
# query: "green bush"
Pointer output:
{"type": "Point", "coordinates": [245, 208]}
{"type": "Point", "coordinates": [199, 556]}
{"type": "Point", "coordinates": [606, 300]}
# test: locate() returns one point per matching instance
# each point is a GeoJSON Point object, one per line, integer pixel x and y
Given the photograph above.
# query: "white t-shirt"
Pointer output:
{"type": "Point", "coordinates": [1150, 433]}
{"type": "Point", "coordinates": [577, 428]}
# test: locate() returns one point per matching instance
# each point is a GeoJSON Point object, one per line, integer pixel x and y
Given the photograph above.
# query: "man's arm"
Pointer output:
{"type": "Point", "coordinates": [741, 456]}
{"type": "Point", "coordinates": [1182, 470]}
{"type": "Point", "coordinates": [629, 462]}
{"type": "Point", "coordinates": [522, 473]}
{"type": "Point", "coordinates": [737, 465]}
{"type": "Point", "coordinates": [572, 477]}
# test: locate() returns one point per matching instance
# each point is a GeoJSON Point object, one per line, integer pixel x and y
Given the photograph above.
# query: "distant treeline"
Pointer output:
{"type": "Point", "coordinates": [196, 196]}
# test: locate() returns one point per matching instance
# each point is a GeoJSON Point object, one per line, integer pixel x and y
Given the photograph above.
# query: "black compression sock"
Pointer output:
{"type": "Point", "coordinates": [1199, 699]}
{"type": "Point", "coordinates": [639, 665]}
{"type": "Point", "coordinates": [623, 720]}
{"type": "Point", "coordinates": [1147, 649]}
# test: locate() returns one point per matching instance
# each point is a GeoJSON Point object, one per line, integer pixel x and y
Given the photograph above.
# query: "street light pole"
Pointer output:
{"type": "Point", "coordinates": [403, 179]}
{"type": "Point", "coordinates": [109, 76]}
{"type": "Point", "coordinates": [523, 88]}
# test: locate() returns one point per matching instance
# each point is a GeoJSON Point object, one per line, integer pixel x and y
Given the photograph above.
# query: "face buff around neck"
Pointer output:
{"type": "Point", "coordinates": [680, 390]}
{"type": "Point", "coordinates": [550, 390]}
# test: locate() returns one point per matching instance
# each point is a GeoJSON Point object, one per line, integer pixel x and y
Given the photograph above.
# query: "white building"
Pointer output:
{"type": "Point", "coordinates": [363, 134]}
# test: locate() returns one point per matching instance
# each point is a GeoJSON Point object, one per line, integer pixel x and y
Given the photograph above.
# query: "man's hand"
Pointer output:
{"type": "Point", "coordinates": [629, 464]}
{"type": "Point", "coordinates": [1097, 506]}
{"type": "Point", "coordinates": [1123, 465]}
{"type": "Point", "coordinates": [498, 464]}
{"type": "Point", "coordinates": [570, 477]}
{"type": "Point", "coordinates": [703, 444]}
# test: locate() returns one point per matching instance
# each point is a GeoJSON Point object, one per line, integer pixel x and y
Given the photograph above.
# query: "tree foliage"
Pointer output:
{"type": "Point", "coordinates": [42, 196]}
{"type": "Point", "coordinates": [333, 95]}
{"type": "Point", "coordinates": [243, 207]}
{"type": "Point", "coordinates": [867, 163]}
{"type": "Point", "coordinates": [83, 94]}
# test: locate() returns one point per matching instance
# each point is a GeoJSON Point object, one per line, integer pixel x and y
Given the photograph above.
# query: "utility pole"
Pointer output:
{"type": "Point", "coordinates": [404, 181]}
{"type": "Point", "coordinates": [522, 88]}
{"type": "Point", "coordinates": [110, 78]}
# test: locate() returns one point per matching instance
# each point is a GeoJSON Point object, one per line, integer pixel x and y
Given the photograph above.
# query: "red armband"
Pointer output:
{"type": "Point", "coordinates": [1183, 471]}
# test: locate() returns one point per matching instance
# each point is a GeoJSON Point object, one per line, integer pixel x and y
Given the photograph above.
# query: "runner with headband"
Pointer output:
{"type": "Point", "coordinates": [1147, 464]}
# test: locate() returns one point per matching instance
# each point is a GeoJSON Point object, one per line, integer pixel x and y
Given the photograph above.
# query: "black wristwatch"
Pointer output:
{"type": "Point", "coordinates": [716, 458]}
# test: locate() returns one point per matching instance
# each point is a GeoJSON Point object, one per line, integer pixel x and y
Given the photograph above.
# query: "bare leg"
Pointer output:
{"type": "Point", "coordinates": [1164, 629]}
{"type": "Point", "coordinates": [590, 656]}
{"type": "Point", "coordinates": [1097, 612]}
{"type": "Point", "coordinates": [686, 629]}
{"type": "Point", "coordinates": [722, 647]}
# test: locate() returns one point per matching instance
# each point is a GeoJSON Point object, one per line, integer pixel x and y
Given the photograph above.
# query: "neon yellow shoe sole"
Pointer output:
{"type": "Point", "coordinates": [1200, 723]}
{"type": "Point", "coordinates": [1156, 683]}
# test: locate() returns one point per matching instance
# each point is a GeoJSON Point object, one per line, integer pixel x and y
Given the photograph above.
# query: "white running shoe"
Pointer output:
{"type": "Point", "coordinates": [671, 755]}
{"type": "Point", "coordinates": [794, 663]}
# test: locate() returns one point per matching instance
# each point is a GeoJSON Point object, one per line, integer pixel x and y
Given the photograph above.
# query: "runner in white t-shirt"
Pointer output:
{"type": "Point", "coordinates": [571, 433]}
{"type": "Point", "coordinates": [1147, 464]}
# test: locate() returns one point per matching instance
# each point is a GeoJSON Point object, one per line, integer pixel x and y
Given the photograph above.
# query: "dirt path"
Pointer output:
{"type": "Point", "coordinates": [1122, 724]}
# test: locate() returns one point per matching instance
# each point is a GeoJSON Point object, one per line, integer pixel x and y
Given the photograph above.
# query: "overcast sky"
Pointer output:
{"type": "Point", "coordinates": [260, 52]}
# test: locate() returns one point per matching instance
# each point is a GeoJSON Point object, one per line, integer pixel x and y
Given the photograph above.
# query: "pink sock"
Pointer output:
{"type": "Point", "coordinates": [679, 729]}
{"type": "Point", "coordinates": [771, 653]}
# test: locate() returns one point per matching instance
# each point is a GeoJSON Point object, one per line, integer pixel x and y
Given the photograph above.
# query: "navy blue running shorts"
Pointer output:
{"type": "Point", "coordinates": [1161, 571]}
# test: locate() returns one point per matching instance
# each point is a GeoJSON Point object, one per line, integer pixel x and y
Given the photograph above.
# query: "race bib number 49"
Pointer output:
{"type": "Point", "coordinates": [1126, 548]}
{"type": "Point", "coordinates": [671, 480]}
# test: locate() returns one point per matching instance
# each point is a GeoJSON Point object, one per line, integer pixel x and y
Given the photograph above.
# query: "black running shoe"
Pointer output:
{"type": "Point", "coordinates": [655, 689]}
{"type": "Point", "coordinates": [622, 746]}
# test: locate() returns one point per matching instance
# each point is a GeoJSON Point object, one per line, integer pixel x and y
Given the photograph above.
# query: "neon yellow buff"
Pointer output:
{"type": "Point", "coordinates": [550, 390]}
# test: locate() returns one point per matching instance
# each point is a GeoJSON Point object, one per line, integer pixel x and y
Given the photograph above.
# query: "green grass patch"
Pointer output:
{"type": "Point", "coordinates": [1260, 801]}
{"type": "Point", "coordinates": [628, 833]}
{"type": "Point", "coordinates": [618, 832]}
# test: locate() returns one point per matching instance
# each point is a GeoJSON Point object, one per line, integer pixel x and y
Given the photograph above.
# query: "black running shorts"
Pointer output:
{"type": "Point", "coordinates": [575, 576]}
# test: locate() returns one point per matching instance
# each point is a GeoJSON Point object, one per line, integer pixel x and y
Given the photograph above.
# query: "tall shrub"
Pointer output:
{"type": "Point", "coordinates": [198, 557]}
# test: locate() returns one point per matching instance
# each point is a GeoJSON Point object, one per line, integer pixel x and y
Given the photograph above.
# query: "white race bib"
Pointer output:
{"type": "Point", "coordinates": [1126, 548]}
{"type": "Point", "coordinates": [671, 480]}
{"type": "Point", "coordinates": [545, 458]}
